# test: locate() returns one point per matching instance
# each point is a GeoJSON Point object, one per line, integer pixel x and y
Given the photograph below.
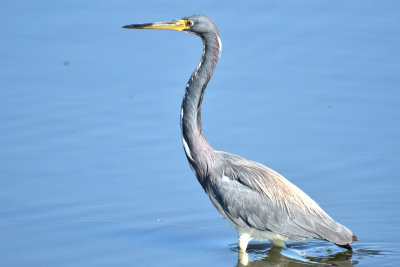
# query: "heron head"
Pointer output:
{"type": "Point", "coordinates": [197, 24]}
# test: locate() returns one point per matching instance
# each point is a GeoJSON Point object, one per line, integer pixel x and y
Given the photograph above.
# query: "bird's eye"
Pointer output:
{"type": "Point", "coordinates": [189, 23]}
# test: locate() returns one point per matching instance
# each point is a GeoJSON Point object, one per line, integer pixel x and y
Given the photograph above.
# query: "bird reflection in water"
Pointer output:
{"type": "Point", "coordinates": [293, 255]}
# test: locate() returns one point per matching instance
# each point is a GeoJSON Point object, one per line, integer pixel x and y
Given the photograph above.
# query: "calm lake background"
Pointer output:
{"type": "Point", "coordinates": [92, 169]}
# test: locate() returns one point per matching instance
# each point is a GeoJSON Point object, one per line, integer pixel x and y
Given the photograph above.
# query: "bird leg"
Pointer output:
{"type": "Point", "coordinates": [277, 242]}
{"type": "Point", "coordinates": [244, 240]}
{"type": "Point", "coordinates": [243, 258]}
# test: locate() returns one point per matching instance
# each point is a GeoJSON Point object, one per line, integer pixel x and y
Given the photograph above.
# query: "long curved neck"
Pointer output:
{"type": "Point", "coordinates": [198, 151]}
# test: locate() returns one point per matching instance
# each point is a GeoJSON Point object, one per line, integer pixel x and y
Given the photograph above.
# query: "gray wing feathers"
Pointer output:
{"type": "Point", "coordinates": [258, 197]}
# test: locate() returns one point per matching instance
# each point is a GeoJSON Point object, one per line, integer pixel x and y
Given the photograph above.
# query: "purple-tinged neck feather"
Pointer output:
{"type": "Point", "coordinates": [198, 151]}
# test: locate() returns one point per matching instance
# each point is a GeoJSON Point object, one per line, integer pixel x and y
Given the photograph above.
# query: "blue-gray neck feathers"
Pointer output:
{"type": "Point", "coordinates": [199, 153]}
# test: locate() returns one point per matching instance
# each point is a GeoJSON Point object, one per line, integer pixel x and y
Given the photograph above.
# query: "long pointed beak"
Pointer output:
{"type": "Point", "coordinates": [175, 25]}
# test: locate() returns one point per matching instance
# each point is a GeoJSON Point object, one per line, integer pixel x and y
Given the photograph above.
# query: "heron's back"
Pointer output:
{"type": "Point", "coordinates": [253, 196]}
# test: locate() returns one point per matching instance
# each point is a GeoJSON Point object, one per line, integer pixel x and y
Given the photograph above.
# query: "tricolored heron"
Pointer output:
{"type": "Point", "coordinates": [259, 202]}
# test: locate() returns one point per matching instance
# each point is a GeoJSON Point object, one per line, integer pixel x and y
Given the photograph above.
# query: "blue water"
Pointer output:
{"type": "Point", "coordinates": [92, 170]}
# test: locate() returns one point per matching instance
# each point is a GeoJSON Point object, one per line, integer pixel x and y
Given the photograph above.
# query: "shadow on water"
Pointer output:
{"type": "Point", "coordinates": [303, 254]}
